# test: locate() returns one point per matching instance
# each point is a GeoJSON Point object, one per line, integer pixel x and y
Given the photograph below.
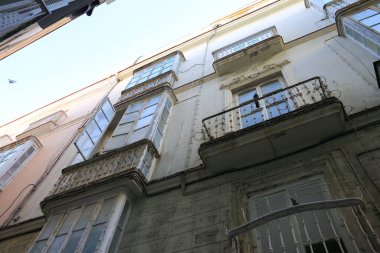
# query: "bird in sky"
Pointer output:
{"type": "Point", "coordinates": [11, 81]}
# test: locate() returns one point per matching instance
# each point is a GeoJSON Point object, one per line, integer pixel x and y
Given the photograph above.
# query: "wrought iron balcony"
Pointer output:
{"type": "Point", "coordinates": [261, 109]}
{"type": "Point", "coordinates": [276, 124]}
{"type": "Point", "coordinates": [257, 47]}
{"type": "Point", "coordinates": [166, 79]}
{"type": "Point", "coordinates": [324, 226]}
{"type": "Point", "coordinates": [332, 7]}
{"type": "Point", "coordinates": [129, 159]}
{"type": "Point", "coordinates": [244, 43]}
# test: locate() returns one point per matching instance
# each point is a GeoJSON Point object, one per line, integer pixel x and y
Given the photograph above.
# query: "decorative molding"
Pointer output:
{"type": "Point", "coordinates": [253, 73]}
{"type": "Point", "coordinates": [21, 141]}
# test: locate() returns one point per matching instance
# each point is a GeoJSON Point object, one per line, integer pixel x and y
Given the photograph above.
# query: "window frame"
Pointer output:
{"type": "Point", "coordinates": [80, 156]}
{"type": "Point", "coordinates": [362, 34]}
{"type": "Point", "coordinates": [121, 205]}
{"type": "Point", "coordinates": [153, 70]}
{"type": "Point", "coordinates": [150, 129]}
{"type": "Point", "coordinates": [257, 86]}
{"type": "Point", "coordinates": [293, 219]}
{"type": "Point", "coordinates": [30, 142]}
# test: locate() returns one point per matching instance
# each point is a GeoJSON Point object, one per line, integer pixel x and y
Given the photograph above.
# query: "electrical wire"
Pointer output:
{"type": "Point", "coordinates": [14, 201]}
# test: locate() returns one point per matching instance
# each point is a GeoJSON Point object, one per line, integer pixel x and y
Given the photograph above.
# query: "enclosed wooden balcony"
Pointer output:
{"type": "Point", "coordinates": [255, 48]}
{"type": "Point", "coordinates": [271, 126]}
{"type": "Point", "coordinates": [127, 164]}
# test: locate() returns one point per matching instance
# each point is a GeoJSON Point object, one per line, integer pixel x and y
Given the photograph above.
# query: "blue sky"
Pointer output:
{"type": "Point", "coordinates": [88, 48]}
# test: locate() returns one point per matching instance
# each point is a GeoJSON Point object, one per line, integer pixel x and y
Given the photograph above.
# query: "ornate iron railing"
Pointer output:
{"type": "Point", "coordinates": [167, 78]}
{"type": "Point", "coordinates": [102, 167]}
{"type": "Point", "coordinates": [261, 109]}
{"type": "Point", "coordinates": [332, 7]}
{"type": "Point", "coordinates": [244, 43]}
{"type": "Point", "coordinates": [324, 226]}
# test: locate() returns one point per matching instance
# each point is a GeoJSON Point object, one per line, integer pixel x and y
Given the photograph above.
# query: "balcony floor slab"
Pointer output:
{"type": "Point", "coordinates": [275, 138]}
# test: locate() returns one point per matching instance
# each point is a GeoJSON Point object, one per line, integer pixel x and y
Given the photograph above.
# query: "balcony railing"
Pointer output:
{"type": "Point", "coordinates": [103, 167]}
{"type": "Point", "coordinates": [323, 226]}
{"type": "Point", "coordinates": [260, 110]}
{"type": "Point", "coordinates": [332, 7]}
{"type": "Point", "coordinates": [167, 78]}
{"type": "Point", "coordinates": [244, 43]}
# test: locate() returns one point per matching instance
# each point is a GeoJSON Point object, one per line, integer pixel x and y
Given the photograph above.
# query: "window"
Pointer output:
{"type": "Point", "coordinates": [151, 71]}
{"type": "Point", "coordinates": [364, 28]}
{"type": "Point", "coordinates": [369, 18]}
{"type": "Point", "coordinates": [136, 122]}
{"type": "Point", "coordinates": [13, 159]}
{"type": "Point", "coordinates": [93, 132]}
{"type": "Point", "coordinates": [273, 105]}
{"type": "Point", "coordinates": [307, 229]}
{"type": "Point", "coordinates": [144, 119]}
{"type": "Point", "coordinates": [161, 124]}
{"type": "Point", "coordinates": [81, 229]}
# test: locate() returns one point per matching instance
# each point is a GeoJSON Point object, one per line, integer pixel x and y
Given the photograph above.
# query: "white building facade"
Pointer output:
{"type": "Point", "coordinates": [257, 134]}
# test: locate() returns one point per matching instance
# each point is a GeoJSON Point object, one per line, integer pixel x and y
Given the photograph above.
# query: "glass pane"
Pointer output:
{"type": "Point", "coordinates": [134, 107]}
{"type": "Point", "coordinates": [371, 21]}
{"type": "Point", "coordinates": [270, 87]}
{"type": "Point", "coordinates": [157, 139]}
{"type": "Point", "coordinates": [278, 109]}
{"type": "Point", "coordinates": [77, 159]}
{"type": "Point", "coordinates": [166, 69]}
{"type": "Point", "coordinates": [50, 226]}
{"type": "Point", "coordinates": [101, 120]}
{"type": "Point", "coordinates": [85, 216]}
{"type": "Point", "coordinates": [69, 221]}
{"type": "Point", "coordinates": [144, 122]}
{"type": "Point", "coordinates": [376, 27]}
{"type": "Point", "coordinates": [363, 14]}
{"type": "Point", "coordinates": [251, 119]}
{"type": "Point", "coordinates": [85, 144]}
{"type": "Point", "coordinates": [73, 241]}
{"type": "Point", "coordinates": [93, 238]}
{"type": "Point", "coordinates": [148, 111]}
{"type": "Point", "coordinates": [246, 96]}
{"type": "Point", "coordinates": [57, 244]}
{"type": "Point", "coordinates": [4, 179]}
{"type": "Point", "coordinates": [161, 125]}
{"type": "Point", "coordinates": [153, 100]}
{"type": "Point", "coordinates": [165, 114]}
{"type": "Point", "coordinates": [93, 131]}
{"type": "Point", "coordinates": [129, 117]}
{"type": "Point", "coordinates": [123, 129]}
{"type": "Point", "coordinates": [38, 246]}
{"type": "Point", "coordinates": [143, 79]}
{"type": "Point", "coordinates": [168, 104]}
{"type": "Point", "coordinates": [105, 210]}
{"type": "Point", "coordinates": [30, 150]}
{"type": "Point", "coordinates": [108, 110]}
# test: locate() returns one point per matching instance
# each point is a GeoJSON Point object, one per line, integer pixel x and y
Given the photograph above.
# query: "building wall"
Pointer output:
{"type": "Point", "coordinates": [196, 217]}
{"type": "Point", "coordinates": [77, 108]}
{"type": "Point", "coordinates": [193, 216]}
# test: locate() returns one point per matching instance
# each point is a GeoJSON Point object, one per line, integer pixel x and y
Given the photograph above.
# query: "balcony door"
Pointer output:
{"type": "Point", "coordinates": [270, 103]}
